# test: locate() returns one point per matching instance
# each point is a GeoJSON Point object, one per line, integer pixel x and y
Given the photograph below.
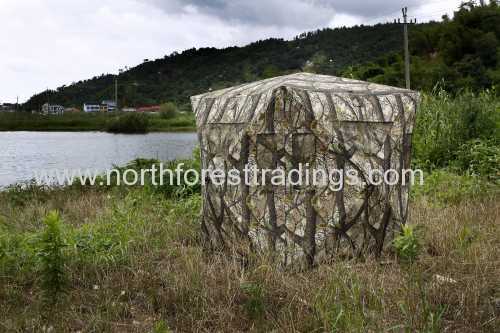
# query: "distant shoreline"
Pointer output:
{"type": "Point", "coordinates": [163, 130]}
{"type": "Point", "coordinates": [85, 122]}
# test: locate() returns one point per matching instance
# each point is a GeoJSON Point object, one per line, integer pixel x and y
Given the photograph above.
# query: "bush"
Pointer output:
{"type": "Point", "coordinates": [129, 123]}
{"type": "Point", "coordinates": [255, 302]}
{"type": "Point", "coordinates": [344, 304]}
{"type": "Point", "coordinates": [168, 110]}
{"type": "Point", "coordinates": [444, 187]}
{"type": "Point", "coordinates": [479, 158]}
{"type": "Point", "coordinates": [21, 193]}
{"type": "Point", "coordinates": [407, 245]}
{"type": "Point", "coordinates": [178, 188]}
{"type": "Point", "coordinates": [52, 258]}
{"type": "Point", "coordinates": [445, 123]}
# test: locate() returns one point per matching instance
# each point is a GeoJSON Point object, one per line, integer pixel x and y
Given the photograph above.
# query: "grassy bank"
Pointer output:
{"type": "Point", "coordinates": [88, 122]}
{"type": "Point", "coordinates": [132, 260]}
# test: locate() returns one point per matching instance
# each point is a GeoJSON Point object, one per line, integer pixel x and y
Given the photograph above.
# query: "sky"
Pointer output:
{"type": "Point", "coordinates": [50, 43]}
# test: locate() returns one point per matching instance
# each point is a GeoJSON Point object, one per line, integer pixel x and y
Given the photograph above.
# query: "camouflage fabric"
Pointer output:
{"type": "Point", "coordinates": [327, 122]}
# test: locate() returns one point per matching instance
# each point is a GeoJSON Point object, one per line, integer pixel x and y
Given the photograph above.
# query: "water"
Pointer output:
{"type": "Point", "coordinates": [23, 153]}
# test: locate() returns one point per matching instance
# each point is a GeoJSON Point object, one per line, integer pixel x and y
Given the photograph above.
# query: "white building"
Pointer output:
{"type": "Point", "coordinates": [91, 107]}
{"type": "Point", "coordinates": [8, 107]}
{"type": "Point", "coordinates": [108, 106]}
{"type": "Point", "coordinates": [52, 109]}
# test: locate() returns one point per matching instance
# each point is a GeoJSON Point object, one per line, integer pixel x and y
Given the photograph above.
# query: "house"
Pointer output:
{"type": "Point", "coordinates": [71, 110]}
{"type": "Point", "coordinates": [303, 123]}
{"type": "Point", "coordinates": [108, 106]}
{"type": "Point", "coordinates": [149, 109]}
{"type": "Point", "coordinates": [52, 109]}
{"type": "Point", "coordinates": [8, 107]}
{"type": "Point", "coordinates": [91, 107]}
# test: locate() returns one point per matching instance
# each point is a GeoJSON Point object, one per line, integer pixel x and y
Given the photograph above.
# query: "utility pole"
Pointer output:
{"type": "Point", "coordinates": [120, 71]}
{"type": "Point", "coordinates": [407, 53]}
{"type": "Point", "coordinates": [116, 93]}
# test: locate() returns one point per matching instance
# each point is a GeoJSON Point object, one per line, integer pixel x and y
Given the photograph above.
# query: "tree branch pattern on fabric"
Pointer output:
{"type": "Point", "coordinates": [328, 123]}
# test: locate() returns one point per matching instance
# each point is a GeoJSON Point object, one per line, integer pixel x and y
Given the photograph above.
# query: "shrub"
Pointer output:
{"type": "Point", "coordinates": [178, 188]}
{"type": "Point", "coordinates": [161, 327]}
{"type": "Point", "coordinates": [344, 304]}
{"type": "Point", "coordinates": [129, 123]}
{"type": "Point", "coordinates": [446, 187]}
{"type": "Point", "coordinates": [480, 158]}
{"type": "Point", "coordinates": [445, 123]}
{"type": "Point", "coordinates": [407, 245]}
{"type": "Point", "coordinates": [17, 253]}
{"type": "Point", "coordinates": [466, 237]}
{"type": "Point", "coordinates": [255, 302]}
{"type": "Point", "coordinates": [52, 258]}
{"type": "Point", "coordinates": [168, 110]}
{"type": "Point", "coordinates": [21, 193]}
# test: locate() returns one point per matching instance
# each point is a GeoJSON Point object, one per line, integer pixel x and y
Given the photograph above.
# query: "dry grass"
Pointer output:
{"type": "Point", "coordinates": [164, 281]}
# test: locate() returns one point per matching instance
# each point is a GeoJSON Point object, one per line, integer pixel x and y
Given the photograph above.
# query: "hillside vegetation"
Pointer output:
{"type": "Point", "coordinates": [457, 53]}
{"type": "Point", "coordinates": [180, 75]}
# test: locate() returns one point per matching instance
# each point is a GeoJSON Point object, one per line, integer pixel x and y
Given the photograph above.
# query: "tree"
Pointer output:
{"type": "Point", "coordinates": [168, 110]}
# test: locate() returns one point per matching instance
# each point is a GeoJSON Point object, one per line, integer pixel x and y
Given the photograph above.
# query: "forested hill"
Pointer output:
{"type": "Point", "coordinates": [458, 53]}
{"type": "Point", "coordinates": [179, 75]}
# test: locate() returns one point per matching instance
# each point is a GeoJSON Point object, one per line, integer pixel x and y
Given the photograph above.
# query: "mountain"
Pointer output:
{"type": "Point", "coordinates": [180, 75]}
{"type": "Point", "coordinates": [458, 53]}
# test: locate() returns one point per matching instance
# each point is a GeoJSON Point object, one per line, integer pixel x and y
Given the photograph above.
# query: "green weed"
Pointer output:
{"type": "Point", "coordinates": [344, 305]}
{"type": "Point", "coordinates": [444, 123]}
{"type": "Point", "coordinates": [443, 187]}
{"type": "Point", "coordinates": [407, 245]}
{"type": "Point", "coordinates": [52, 259]}
{"type": "Point", "coordinates": [161, 327]}
{"type": "Point", "coordinates": [255, 303]}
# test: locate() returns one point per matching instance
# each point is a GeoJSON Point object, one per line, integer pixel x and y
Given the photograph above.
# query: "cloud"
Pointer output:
{"type": "Point", "coordinates": [300, 14]}
{"type": "Point", "coordinates": [49, 43]}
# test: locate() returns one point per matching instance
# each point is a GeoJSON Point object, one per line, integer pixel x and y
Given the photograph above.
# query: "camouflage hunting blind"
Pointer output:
{"type": "Point", "coordinates": [327, 122]}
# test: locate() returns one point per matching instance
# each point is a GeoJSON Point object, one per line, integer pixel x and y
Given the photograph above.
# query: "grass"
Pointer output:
{"type": "Point", "coordinates": [447, 127]}
{"type": "Point", "coordinates": [87, 122]}
{"type": "Point", "coordinates": [134, 262]}
{"type": "Point", "coordinates": [132, 259]}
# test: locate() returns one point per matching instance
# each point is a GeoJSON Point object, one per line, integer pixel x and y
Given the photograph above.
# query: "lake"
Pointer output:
{"type": "Point", "coordinates": [23, 153]}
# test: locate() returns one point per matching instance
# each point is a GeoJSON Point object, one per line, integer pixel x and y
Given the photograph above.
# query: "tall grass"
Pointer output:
{"type": "Point", "coordinates": [135, 262]}
{"type": "Point", "coordinates": [22, 121]}
{"type": "Point", "coordinates": [445, 123]}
